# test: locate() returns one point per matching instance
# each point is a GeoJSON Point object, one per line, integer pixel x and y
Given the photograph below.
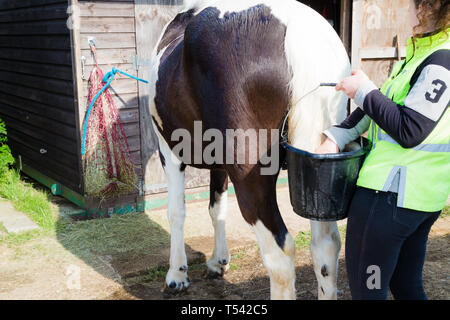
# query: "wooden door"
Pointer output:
{"type": "Point", "coordinates": [380, 29]}
{"type": "Point", "coordinates": [151, 17]}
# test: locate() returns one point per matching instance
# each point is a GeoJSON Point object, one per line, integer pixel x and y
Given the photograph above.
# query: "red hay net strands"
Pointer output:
{"type": "Point", "coordinates": [108, 168]}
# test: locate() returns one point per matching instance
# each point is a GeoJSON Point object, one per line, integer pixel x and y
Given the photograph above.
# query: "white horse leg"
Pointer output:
{"type": "Point", "coordinates": [176, 278]}
{"type": "Point", "coordinates": [257, 199]}
{"type": "Point", "coordinates": [325, 247]}
{"type": "Point", "coordinates": [279, 262]}
{"type": "Point", "coordinates": [219, 262]}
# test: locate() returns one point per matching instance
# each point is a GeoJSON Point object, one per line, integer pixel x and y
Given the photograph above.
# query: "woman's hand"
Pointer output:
{"type": "Point", "coordinates": [329, 146]}
{"type": "Point", "coordinates": [351, 84]}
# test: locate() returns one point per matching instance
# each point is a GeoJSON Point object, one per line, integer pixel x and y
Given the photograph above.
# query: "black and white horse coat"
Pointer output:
{"type": "Point", "coordinates": [242, 64]}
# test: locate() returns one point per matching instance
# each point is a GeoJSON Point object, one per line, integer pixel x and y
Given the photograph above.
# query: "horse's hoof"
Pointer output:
{"type": "Point", "coordinates": [176, 282]}
{"type": "Point", "coordinates": [211, 275]}
{"type": "Point", "coordinates": [175, 289]}
{"type": "Point", "coordinates": [216, 270]}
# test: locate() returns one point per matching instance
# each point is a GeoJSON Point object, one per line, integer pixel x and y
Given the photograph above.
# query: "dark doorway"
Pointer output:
{"type": "Point", "coordinates": [329, 9]}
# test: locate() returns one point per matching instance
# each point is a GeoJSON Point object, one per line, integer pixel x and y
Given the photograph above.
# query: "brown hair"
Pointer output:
{"type": "Point", "coordinates": [434, 10]}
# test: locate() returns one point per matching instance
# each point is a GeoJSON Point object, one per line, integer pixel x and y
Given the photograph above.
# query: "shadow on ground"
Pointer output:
{"type": "Point", "coordinates": [135, 250]}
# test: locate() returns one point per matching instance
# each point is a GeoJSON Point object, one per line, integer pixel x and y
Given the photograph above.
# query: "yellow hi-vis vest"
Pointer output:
{"type": "Point", "coordinates": [423, 172]}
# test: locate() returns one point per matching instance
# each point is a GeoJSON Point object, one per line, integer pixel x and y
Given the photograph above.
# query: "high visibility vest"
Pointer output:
{"type": "Point", "coordinates": [423, 172]}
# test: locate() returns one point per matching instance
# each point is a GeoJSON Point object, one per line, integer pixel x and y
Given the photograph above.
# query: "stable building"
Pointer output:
{"type": "Point", "coordinates": [45, 67]}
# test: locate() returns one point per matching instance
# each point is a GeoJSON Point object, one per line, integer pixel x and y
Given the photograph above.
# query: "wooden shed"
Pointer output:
{"type": "Point", "coordinates": [45, 66]}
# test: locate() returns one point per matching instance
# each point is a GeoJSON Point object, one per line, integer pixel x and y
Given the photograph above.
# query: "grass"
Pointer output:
{"type": "Point", "coordinates": [234, 264]}
{"type": "Point", "coordinates": [158, 273]}
{"type": "Point", "coordinates": [446, 212]}
{"type": "Point", "coordinates": [131, 233]}
{"type": "Point", "coordinates": [2, 229]}
{"type": "Point", "coordinates": [18, 239]}
{"type": "Point", "coordinates": [303, 239]}
{"type": "Point", "coordinates": [26, 198]}
{"type": "Point", "coordinates": [239, 255]}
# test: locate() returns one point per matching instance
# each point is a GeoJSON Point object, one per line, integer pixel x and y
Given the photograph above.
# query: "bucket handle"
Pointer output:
{"type": "Point", "coordinates": [284, 137]}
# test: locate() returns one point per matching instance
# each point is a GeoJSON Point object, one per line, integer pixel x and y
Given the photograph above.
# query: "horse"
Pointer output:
{"type": "Point", "coordinates": [239, 66]}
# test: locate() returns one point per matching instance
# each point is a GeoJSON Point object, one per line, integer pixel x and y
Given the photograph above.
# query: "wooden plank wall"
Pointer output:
{"type": "Point", "coordinates": [380, 35]}
{"type": "Point", "coordinates": [380, 29]}
{"type": "Point", "coordinates": [151, 17]}
{"type": "Point", "coordinates": [385, 27]}
{"type": "Point", "coordinates": [112, 25]}
{"type": "Point", "coordinates": [36, 87]}
{"type": "Point", "coordinates": [345, 25]}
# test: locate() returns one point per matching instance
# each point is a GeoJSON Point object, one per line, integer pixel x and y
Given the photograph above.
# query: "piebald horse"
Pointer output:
{"type": "Point", "coordinates": [242, 64]}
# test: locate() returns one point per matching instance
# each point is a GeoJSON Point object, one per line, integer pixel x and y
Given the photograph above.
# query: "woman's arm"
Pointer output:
{"type": "Point", "coordinates": [410, 124]}
{"type": "Point", "coordinates": [354, 126]}
{"type": "Point", "coordinates": [425, 104]}
{"type": "Point", "coordinates": [349, 130]}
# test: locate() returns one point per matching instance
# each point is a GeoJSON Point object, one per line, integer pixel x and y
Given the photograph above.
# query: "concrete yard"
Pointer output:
{"type": "Point", "coordinates": [14, 221]}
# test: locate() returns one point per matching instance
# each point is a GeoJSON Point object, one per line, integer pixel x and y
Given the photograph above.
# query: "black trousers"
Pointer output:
{"type": "Point", "coordinates": [385, 247]}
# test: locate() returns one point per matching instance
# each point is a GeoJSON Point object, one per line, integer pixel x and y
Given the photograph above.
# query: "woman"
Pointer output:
{"type": "Point", "coordinates": [405, 181]}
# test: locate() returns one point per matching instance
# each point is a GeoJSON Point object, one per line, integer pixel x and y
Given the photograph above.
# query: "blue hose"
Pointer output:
{"type": "Point", "coordinates": [108, 78]}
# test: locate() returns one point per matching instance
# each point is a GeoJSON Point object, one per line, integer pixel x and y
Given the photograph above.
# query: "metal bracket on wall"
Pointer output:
{"type": "Point", "coordinates": [91, 41]}
{"type": "Point", "coordinates": [138, 62]}
{"type": "Point", "coordinates": [83, 64]}
{"type": "Point", "coordinates": [92, 46]}
{"type": "Point", "coordinates": [141, 187]}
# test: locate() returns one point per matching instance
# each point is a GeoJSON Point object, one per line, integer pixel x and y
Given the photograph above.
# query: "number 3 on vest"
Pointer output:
{"type": "Point", "coordinates": [436, 94]}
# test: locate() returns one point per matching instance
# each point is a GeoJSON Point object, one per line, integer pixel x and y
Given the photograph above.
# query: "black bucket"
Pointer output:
{"type": "Point", "coordinates": [321, 187]}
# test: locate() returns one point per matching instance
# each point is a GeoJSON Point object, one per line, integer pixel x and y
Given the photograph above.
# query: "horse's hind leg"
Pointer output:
{"type": "Point", "coordinates": [257, 199]}
{"type": "Point", "coordinates": [176, 278]}
{"type": "Point", "coordinates": [325, 247]}
{"type": "Point", "coordinates": [219, 262]}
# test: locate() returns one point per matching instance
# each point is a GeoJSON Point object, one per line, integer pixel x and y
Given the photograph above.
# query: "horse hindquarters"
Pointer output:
{"type": "Point", "coordinates": [256, 195]}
